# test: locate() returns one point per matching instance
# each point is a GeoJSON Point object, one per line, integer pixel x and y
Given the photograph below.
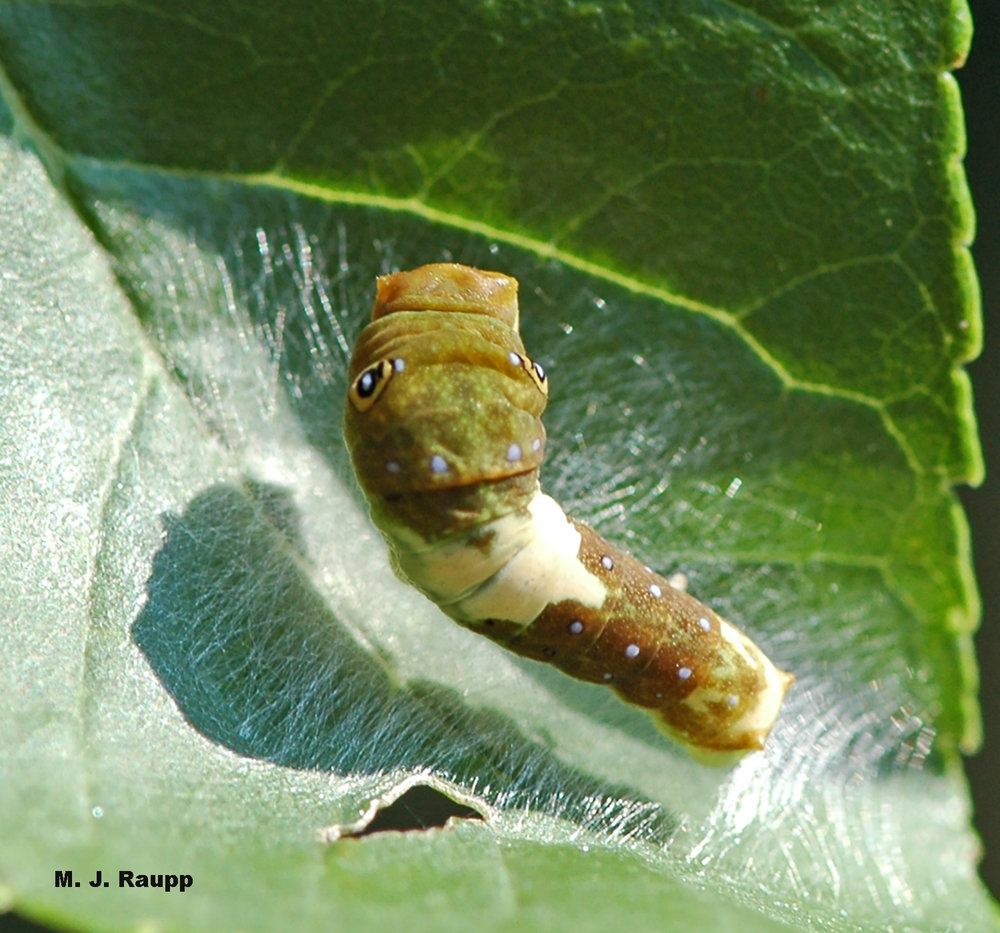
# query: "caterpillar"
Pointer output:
{"type": "Point", "coordinates": [443, 424]}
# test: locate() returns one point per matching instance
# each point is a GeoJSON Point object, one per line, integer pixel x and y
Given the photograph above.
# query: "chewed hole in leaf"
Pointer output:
{"type": "Point", "coordinates": [413, 805]}
{"type": "Point", "coordinates": [420, 807]}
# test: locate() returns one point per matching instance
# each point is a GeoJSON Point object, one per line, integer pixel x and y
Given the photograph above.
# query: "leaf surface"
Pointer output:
{"type": "Point", "coordinates": [740, 234]}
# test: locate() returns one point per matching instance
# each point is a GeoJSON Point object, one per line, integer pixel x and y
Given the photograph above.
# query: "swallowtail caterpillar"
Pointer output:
{"type": "Point", "coordinates": [443, 423]}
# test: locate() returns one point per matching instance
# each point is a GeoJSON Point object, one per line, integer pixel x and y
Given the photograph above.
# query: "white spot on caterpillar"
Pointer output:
{"type": "Point", "coordinates": [706, 626]}
{"type": "Point", "coordinates": [655, 590]}
{"type": "Point", "coordinates": [632, 651]}
{"type": "Point", "coordinates": [439, 464]}
{"type": "Point", "coordinates": [536, 444]}
{"type": "Point", "coordinates": [515, 359]}
{"type": "Point", "coordinates": [607, 563]}
{"type": "Point", "coordinates": [678, 581]}
{"type": "Point", "coordinates": [514, 453]}
{"type": "Point", "coordinates": [607, 675]}
{"type": "Point", "coordinates": [392, 467]}
{"type": "Point", "coordinates": [732, 700]}
{"type": "Point", "coordinates": [684, 673]}
{"type": "Point", "coordinates": [575, 627]}
{"type": "Point", "coordinates": [399, 364]}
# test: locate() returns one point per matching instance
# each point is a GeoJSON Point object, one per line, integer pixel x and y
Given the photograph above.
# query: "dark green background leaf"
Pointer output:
{"type": "Point", "coordinates": [739, 233]}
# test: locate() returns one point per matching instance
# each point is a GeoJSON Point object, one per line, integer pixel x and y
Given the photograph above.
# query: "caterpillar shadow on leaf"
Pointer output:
{"type": "Point", "coordinates": [257, 660]}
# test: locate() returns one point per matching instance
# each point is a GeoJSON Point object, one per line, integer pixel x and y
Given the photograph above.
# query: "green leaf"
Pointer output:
{"type": "Point", "coordinates": [741, 239]}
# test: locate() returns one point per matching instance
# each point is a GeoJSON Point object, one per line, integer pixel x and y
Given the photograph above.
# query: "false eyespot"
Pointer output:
{"type": "Point", "coordinates": [443, 423]}
{"type": "Point", "coordinates": [366, 389]}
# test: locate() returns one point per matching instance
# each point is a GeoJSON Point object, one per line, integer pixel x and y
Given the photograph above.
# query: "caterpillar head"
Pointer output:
{"type": "Point", "coordinates": [441, 393]}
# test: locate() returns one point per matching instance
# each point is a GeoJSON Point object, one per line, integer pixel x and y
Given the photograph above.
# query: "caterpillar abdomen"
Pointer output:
{"type": "Point", "coordinates": [706, 684]}
{"type": "Point", "coordinates": [443, 424]}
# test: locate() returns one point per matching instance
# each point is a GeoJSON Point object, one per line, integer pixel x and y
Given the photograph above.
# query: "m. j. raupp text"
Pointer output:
{"type": "Point", "coordinates": [128, 879]}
